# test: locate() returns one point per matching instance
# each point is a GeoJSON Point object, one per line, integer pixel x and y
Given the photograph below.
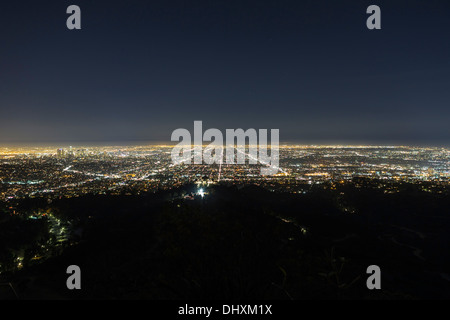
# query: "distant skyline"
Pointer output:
{"type": "Point", "coordinates": [131, 144]}
{"type": "Point", "coordinates": [138, 70]}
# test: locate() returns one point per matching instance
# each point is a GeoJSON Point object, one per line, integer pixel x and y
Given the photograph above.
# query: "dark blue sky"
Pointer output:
{"type": "Point", "coordinates": [140, 69]}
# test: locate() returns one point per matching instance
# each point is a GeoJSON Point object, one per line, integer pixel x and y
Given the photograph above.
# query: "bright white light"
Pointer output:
{"type": "Point", "coordinates": [201, 192]}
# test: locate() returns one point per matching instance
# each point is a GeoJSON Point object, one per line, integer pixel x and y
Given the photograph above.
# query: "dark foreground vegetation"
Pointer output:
{"type": "Point", "coordinates": [237, 243]}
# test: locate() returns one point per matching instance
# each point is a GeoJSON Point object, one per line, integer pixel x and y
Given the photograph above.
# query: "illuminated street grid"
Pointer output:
{"type": "Point", "coordinates": [73, 171]}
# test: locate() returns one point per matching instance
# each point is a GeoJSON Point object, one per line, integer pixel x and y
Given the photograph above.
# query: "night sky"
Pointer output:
{"type": "Point", "coordinates": [137, 70]}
